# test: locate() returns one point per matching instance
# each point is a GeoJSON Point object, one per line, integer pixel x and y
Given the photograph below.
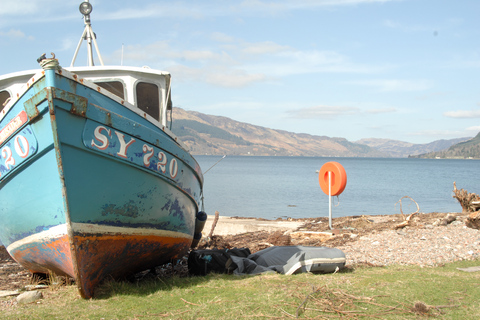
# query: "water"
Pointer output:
{"type": "Point", "coordinates": [272, 187]}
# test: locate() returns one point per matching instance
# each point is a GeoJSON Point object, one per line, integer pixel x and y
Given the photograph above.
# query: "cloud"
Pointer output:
{"type": "Point", "coordinates": [15, 7]}
{"type": "Point", "coordinates": [142, 10]}
{"type": "Point", "coordinates": [294, 62]}
{"type": "Point", "coordinates": [218, 76]}
{"type": "Point", "coordinates": [249, 50]}
{"type": "Point", "coordinates": [209, 66]}
{"type": "Point", "coordinates": [438, 134]}
{"type": "Point", "coordinates": [474, 129]}
{"type": "Point", "coordinates": [463, 114]}
{"type": "Point", "coordinates": [265, 47]}
{"type": "Point", "coordinates": [330, 112]}
{"type": "Point", "coordinates": [221, 37]}
{"type": "Point", "coordinates": [161, 50]}
{"type": "Point", "coordinates": [14, 12]}
{"type": "Point", "coordinates": [233, 78]}
{"type": "Point", "coordinates": [38, 8]}
{"type": "Point", "coordinates": [381, 110]}
{"type": "Point", "coordinates": [284, 5]}
{"type": "Point", "coordinates": [322, 112]}
{"type": "Point", "coordinates": [187, 9]}
{"type": "Point", "coordinates": [67, 44]}
{"type": "Point", "coordinates": [48, 10]}
{"type": "Point", "coordinates": [447, 134]}
{"type": "Point", "coordinates": [409, 28]}
{"type": "Point", "coordinates": [237, 63]}
{"type": "Point", "coordinates": [16, 34]}
{"type": "Point", "coordinates": [390, 85]}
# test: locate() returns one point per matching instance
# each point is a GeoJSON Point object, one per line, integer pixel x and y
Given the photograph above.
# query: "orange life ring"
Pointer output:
{"type": "Point", "coordinates": [339, 177]}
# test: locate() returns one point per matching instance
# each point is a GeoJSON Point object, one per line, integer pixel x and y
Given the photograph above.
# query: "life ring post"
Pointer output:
{"type": "Point", "coordinates": [333, 180]}
{"type": "Point", "coordinates": [330, 199]}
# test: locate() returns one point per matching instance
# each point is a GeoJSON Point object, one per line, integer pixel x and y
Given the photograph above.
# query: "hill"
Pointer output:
{"type": "Point", "coordinates": [207, 134]}
{"type": "Point", "coordinates": [216, 135]}
{"type": "Point", "coordinates": [469, 149]}
{"type": "Point", "coordinates": [402, 149]}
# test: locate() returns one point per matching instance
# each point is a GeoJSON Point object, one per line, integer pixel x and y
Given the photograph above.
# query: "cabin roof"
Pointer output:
{"type": "Point", "coordinates": [117, 69]}
{"type": "Point", "coordinates": [96, 71]}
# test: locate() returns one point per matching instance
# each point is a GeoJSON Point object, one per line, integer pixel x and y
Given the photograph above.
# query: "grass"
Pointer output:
{"type": "Point", "coordinates": [396, 292]}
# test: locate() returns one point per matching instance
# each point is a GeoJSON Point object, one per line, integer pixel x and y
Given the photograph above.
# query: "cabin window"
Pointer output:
{"type": "Point", "coordinates": [148, 98]}
{"type": "Point", "coordinates": [115, 87]}
{"type": "Point", "coordinates": [4, 95]}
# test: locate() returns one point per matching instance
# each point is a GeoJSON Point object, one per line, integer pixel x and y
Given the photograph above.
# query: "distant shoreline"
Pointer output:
{"type": "Point", "coordinates": [330, 157]}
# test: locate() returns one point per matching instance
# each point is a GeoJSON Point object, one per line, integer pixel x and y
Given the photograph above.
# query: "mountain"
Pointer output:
{"type": "Point", "coordinates": [463, 150]}
{"type": "Point", "coordinates": [401, 149]}
{"type": "Point", "coordinates": [207, 134]}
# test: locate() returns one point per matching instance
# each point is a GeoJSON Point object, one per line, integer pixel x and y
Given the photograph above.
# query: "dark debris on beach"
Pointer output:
{"type": "Point", "coordinates": [343, 228]}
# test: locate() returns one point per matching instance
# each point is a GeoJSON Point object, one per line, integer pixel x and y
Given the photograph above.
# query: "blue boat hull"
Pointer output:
{"type": "Point", "coordinates": [94, 189]}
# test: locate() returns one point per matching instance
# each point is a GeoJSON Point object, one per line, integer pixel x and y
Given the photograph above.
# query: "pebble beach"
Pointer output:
{"type": "Point", "coordinates": [428, 246]}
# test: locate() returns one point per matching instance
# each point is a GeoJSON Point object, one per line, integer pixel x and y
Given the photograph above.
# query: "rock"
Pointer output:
{"type": "Point", "coordinates": [445, 221]}
{"type": "Point", "coordinates": [439, 222]}
{"type": "Point", "coordinates": [29, 297]}
{"type": "Point", "coordinates": [450, 218]}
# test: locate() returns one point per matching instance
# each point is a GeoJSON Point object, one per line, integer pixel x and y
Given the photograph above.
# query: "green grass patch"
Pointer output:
{"type": "Point", "coordinates": [396, 292]}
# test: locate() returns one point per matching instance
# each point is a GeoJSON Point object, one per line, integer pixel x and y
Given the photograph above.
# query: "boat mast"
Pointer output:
{"type": "Point", "coordinates": [88, 35]}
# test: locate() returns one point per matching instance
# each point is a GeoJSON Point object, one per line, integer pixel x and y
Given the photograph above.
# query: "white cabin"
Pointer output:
{"type": "Point", "coordinates": [145, 90]}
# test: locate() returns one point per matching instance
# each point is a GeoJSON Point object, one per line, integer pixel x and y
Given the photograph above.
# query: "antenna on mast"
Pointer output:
{"type": "Point", "coordinates": [88, 35]}
{"type": "Point", "coordinates": [121, 60]}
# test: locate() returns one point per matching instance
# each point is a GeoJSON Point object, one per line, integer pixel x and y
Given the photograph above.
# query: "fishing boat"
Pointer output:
{"type": "Point", "coordinates": [93, 183]}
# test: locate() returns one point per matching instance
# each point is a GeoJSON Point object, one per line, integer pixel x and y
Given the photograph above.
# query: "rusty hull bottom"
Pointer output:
{"type": "Point", "coordinates": [100, 256]}
{"type": "Point", "coordinates": [44, 256]}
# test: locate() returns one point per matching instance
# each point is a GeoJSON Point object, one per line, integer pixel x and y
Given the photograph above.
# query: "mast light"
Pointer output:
{"type": "Point", "coordinates": [85, 8]}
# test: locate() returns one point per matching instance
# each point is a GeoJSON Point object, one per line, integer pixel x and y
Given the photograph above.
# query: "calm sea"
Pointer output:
{"type": "Point", "coordinates": [272, 187]}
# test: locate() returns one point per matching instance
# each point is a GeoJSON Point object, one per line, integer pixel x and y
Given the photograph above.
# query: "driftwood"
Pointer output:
{"type": "Point", "coordinates": [214, 224]}
{"type": "Point", "coordinates": [473, 220]}
{"type": "Point", "coordinates": [406, 221]}
{"type": "Point", "coordinates": [212, 241]}
{"type": "Point", "coordinates": [470, 202]}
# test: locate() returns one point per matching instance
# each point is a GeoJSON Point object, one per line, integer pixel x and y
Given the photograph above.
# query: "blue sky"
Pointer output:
{"type": "Point", "coordinates": [407, 70]}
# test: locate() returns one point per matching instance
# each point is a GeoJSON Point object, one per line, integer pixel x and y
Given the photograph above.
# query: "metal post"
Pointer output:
{"type": "Point", "coordinates": [96, 46]}
{"type": "Point", "coordinates": [330, 199]}
{"type": "Point", "coordinates": [78, 47]}
{"type": "Point", "coordinates": [89, 46]}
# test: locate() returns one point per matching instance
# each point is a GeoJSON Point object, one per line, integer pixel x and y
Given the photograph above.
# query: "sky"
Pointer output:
{"type": "Point", "coordinates": [406, 70]}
